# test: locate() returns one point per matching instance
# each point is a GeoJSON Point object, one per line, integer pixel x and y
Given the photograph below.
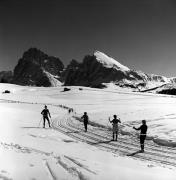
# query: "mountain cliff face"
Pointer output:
{"type": "Point", "coordinates": [36, 68]}
{"type": "Point", "coordinates": [100, 69]}
{"type": "Point", "coordinates": [91, 73]}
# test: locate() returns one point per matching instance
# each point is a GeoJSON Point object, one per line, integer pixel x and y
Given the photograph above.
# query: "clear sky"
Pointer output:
{"type": "Point", "coordinates": [140, 34]}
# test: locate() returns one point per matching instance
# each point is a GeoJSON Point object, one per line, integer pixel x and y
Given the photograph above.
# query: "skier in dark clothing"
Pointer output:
{"type": "Point", "coordinates": [85, 119]}
{"type": "Point", "coordinates": [45, 112]}
{"type": "Point", "coordinates": [143, 133]}
{"type": "Point", "coordinates": [115, 122]}
{"type": "Point", "coordinates": [69, 111]}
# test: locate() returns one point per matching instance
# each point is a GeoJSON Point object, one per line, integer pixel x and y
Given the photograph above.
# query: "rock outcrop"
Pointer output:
{"type": "Point", "coordinates": [36, 68]}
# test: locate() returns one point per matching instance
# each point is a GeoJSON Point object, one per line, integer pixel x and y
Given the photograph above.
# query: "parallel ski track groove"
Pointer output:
{"type": "Point", "coordinates": [129, 146]}
{"type": "Point", "coordinates": [113, 147]}
{"type": "Point", "coordinates": [64, 128]}
{"type": "Point", "coordinates": [123, 140]}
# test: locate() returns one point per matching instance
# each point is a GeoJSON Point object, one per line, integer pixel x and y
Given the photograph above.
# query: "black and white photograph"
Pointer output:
{"type": "Point", "coordinates": [88, 89]}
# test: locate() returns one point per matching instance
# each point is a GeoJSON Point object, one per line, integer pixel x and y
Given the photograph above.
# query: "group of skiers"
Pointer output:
{"type": "Point", "coordinates": [115, 121]}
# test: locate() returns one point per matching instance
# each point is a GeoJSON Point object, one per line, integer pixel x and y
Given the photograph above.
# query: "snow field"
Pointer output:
{"type": "Point", "coordinates": [30, 152]}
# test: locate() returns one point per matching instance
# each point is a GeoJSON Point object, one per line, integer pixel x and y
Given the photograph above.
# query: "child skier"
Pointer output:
{"type": "Point", "coordinates": [45, 112]}
{"type": "Point", "coordinates": [115, 129]}
{"type": "Point", "coordinates": [143, 133]}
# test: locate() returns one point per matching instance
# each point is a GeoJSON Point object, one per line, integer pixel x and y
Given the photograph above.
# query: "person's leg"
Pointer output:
{"type": "Point", "coordinates": [43, 121]}
{"type": "Point", "coordinates": [116, 135]}
{"type": "Point", "coordinates": [142, 139]}
{"type": "Point", "coordinates": [48, 121]}
{"type": "Point", "coordinates": [113, 136]}
{"type": "Point", "coordinates": [85, 126]}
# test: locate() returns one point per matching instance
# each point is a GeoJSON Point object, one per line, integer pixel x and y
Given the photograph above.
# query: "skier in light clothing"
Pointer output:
{"type": "Point", "coordinates": [115, 128]}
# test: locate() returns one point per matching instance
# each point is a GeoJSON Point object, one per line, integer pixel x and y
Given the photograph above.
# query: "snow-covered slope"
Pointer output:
{"type": "Point", "coordinates": [27, 151]}
{"type": "Point", "coordinates": [109, 62]}
{"type": "Point", "coordinates": [53, 79]}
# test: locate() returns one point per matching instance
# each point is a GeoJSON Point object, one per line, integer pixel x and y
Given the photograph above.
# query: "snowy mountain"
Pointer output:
{"type": "Point", "coordinates": [38, 69]}
{"type": "Point", "coordinates": [100, 69]}
{"type": "Point", "coordinates": [109, 62]}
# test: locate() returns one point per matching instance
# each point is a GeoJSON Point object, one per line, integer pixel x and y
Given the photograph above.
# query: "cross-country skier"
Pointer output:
{"type": "Point", "coordinates": [85, 119]}
{"type": "Point", "coordinates": [115, 129]}
{"type": "Point", "coordinates": [143, 133]}
{"type": "Point", "coordinates": [45, 112]}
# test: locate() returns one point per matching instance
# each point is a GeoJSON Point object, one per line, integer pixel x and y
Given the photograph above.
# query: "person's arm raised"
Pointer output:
{"type": "Point", "coordinates": [137, 128]}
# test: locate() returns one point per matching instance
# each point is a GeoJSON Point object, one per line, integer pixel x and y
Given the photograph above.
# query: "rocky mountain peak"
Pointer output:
{"type": "Point", "coordinates": [36, 68]}
{"type": "Point", "coordinates": [109, 62]}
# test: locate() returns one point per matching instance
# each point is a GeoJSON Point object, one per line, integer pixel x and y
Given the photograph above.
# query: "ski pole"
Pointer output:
{"type": "Point", "coordinates": [109, 119]}
{"type": "Point", "coordinates": [51, 121]}
{"type": "Point", "coordinates": [40, 122]}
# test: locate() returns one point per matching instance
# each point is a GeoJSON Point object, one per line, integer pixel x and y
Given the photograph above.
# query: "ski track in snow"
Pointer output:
{"type": "Point", "coordinates": [72, 169]}
{"type": "Point", "coordinates": [79, 164]}
{"type": "Point", "coordinates": [71, 165]}
{"type": "Point", "coordinates": [50, 172]}
{"type": "Point", "coordinates": [165, 156]}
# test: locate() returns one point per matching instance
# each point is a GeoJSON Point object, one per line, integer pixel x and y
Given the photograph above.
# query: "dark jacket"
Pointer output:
{"type": "Point", "coordinates": [115, 121]}
{"type": "Point", "coordinates": [143, 129]}
{"type": "Point", "coordinates": [45, 113]}
{"type": "Point", "coordinates": [85, 118]}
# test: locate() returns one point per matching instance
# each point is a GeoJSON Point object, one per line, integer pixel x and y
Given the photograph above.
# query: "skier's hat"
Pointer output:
{"type": "Point", "coordinates": [144, 121]}
{"type": "Point", "coordinates": [45, 106]}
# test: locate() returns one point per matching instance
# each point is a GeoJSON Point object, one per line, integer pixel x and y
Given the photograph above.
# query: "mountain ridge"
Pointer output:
{"type": "Point", "coordinates": [98, 69]}
{"type": "Point", "coordinates": [35, 68]}
{"type": "Point", "coordinates": [32, 67]}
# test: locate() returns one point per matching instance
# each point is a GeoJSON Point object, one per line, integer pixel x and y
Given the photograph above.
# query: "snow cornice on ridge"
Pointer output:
{"type": "Point", "coordinates": [109, 62]}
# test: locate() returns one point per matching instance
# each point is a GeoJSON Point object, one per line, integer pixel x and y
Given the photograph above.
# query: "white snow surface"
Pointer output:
{"type": "Point", "coordinates": [28, 151]}
{"type": "Point", "coordinates": [109, 62]}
